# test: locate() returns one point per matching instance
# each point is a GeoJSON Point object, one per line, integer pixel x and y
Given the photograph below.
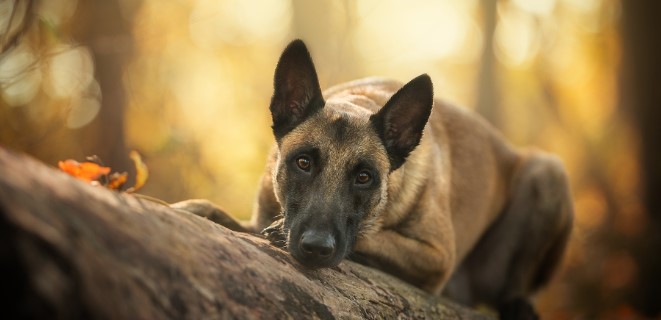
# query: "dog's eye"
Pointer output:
{"type": "Point", "coordinates": [363, 177]}
{"type": "Point", "coordinates": [304, 163]}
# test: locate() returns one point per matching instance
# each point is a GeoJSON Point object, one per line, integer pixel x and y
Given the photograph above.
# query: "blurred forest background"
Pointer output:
{"type": "Point", "coordinates": [188, 82]}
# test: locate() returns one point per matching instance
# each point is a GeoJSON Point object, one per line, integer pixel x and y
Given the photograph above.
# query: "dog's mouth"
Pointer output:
{"type": "Point", "coordinates": [315, 249]}
{"type": "Point", "coordinates": [311, 249]}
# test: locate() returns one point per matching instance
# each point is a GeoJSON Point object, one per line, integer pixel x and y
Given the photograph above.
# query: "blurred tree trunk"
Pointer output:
{"type": "Point", "coordinates": [15, 22]}
{"type": "Point", "coordinates": [107, 30]}
{"type": "Point", "coordinates": [488, 99]}
{"type": "Point", "coordinates": [641, 96]}
{"type": "Point", "coordinates": [314, 23]}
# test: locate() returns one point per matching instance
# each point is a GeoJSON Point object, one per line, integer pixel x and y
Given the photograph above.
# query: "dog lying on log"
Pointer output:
{"type": "Point", "coordinates": [386, 175]}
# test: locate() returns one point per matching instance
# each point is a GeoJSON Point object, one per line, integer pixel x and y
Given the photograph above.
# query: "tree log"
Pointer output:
{"type": "Point", "coordinates": [72, 250]}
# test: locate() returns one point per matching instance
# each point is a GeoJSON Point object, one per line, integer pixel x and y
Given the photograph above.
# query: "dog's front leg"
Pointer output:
{"type": "Point", "coordinates": [422, 262]}
{"type": "Point", "coordinates": [206, 209]}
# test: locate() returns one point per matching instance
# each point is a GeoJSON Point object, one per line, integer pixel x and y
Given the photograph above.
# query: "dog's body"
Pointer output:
{"type": "Point", "coordinates": [367, 171]}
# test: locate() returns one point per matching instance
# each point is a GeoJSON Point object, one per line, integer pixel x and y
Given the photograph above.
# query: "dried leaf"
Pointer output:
{"type": "Point", "coordinates": [141, 171]}
{"type": "Point", "coordinates": [96, 174]}
{"type": "Point", "coordinates": [117, 180]}
{"type": "Point", "coordinates": [86, 171]}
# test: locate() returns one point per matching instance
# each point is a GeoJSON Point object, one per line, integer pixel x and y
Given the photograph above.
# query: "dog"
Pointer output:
{"type": "Point", "coordinates": [384, 174]}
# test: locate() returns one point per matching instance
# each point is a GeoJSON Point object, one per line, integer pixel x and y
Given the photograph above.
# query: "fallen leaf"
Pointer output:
{"type": "Point", "coordinates": [141, 171]}
{"type": "Point", "coordinates": [86, 171]}
{"type": "Point", "coordinates": [117, 180]}
{"type": "Point", "coordinates": [95, 173]}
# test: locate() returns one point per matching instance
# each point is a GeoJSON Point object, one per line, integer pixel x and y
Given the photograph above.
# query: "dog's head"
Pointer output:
{"type": "Point", "coordinates": [334, 160]}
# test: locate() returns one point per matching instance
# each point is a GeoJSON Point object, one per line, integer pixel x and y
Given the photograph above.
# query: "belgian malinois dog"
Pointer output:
{"type": "Point", "coordinates": [384, 174]}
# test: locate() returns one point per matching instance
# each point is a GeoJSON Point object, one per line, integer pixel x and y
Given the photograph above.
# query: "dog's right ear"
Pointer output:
{"type": "Point", "coordinates": [297, 93]}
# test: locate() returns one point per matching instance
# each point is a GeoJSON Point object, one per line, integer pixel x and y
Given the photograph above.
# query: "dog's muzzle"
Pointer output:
{"type": "Point", "coordinates": [316, 248]}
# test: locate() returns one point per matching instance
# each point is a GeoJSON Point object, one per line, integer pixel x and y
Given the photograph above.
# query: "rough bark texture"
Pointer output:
{"type": "Point", "coordinates": [70, 250]}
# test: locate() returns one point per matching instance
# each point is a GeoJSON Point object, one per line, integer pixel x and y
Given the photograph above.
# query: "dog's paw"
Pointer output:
{"type": "Point", "coordinates": [357, 257]}
{"type": "Point", "coordinates": [362, 259]}
{"type": "Point", "coordinates": [275, 233]}
{"type": "Point", "coordinates": [518, 309]}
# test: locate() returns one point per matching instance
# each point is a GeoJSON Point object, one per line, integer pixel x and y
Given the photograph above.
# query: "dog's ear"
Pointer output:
{"type": "Point", "coordinates": [296, 93]}
{"type": "Point", "coordinates": [401, 121]}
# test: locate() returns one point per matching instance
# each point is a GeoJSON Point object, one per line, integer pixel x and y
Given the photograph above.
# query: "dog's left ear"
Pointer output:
{"type": "Point", "coordinates": [403, 118]}
{"type": "Point", "coordinates": [296, 91]}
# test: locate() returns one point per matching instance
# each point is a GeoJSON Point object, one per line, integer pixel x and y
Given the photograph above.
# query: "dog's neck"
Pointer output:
{"type": "Point", "coordinates": [410, 178]}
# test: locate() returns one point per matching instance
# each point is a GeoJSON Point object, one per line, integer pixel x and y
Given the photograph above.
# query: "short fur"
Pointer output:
{"type": "Point", "coordinates": [448, 204]}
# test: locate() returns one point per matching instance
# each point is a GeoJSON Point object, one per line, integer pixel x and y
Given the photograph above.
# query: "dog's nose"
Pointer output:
{"type": "Point", "coordinates": [317, 245]}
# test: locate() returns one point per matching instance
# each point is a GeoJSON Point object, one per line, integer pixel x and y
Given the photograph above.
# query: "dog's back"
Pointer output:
{"type": "Point", "coordinates": [479, 165]}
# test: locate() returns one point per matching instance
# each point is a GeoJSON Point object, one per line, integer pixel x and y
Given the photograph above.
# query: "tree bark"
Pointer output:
{"type": "Point", "coordinates": [71, 250]}
{"type": "Point", "coordinates": [488, 97]}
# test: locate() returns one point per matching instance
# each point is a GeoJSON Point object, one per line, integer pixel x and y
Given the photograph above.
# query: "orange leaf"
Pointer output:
{"type": "Point", "coordinates": [69, 166]}
{"type": "Point", "coordinates": [141, 171]}
{"type": "Point", "coordinates": [117, 180]}
{"type": "Point", "coordinates": [86, 171]}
